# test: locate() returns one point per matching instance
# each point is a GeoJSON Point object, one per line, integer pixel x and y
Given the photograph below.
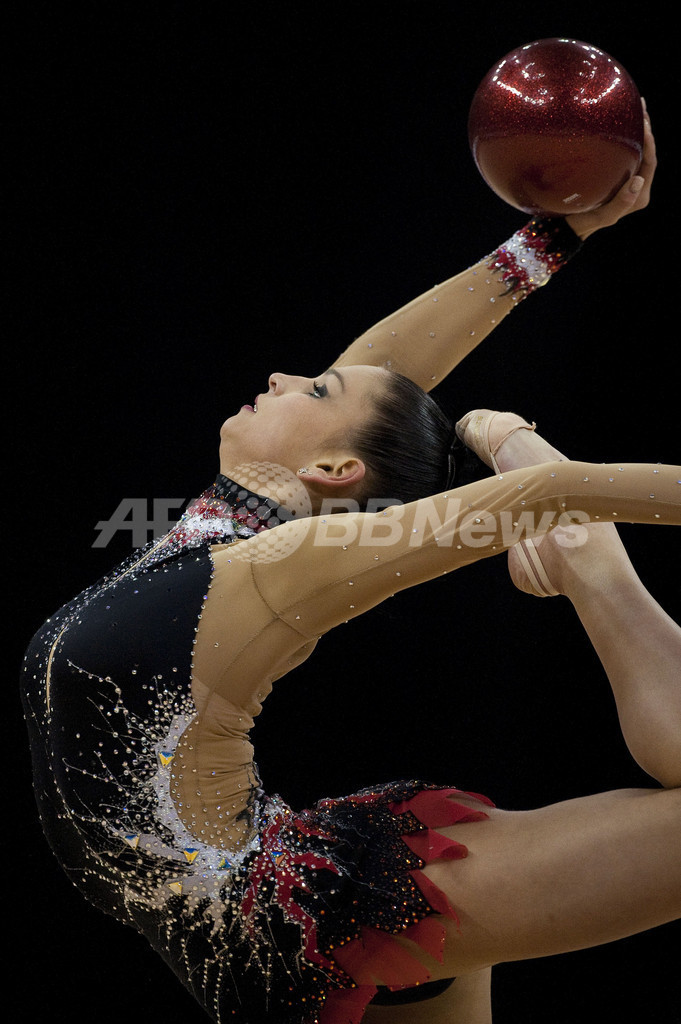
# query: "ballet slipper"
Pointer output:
{"type": "Point", "coordinates": [524, 558]}
{"type": "Point", "coordinates": [525, 565]}
{"type": "Point", "coordinates": [474, 431]}
{"type": "Point", "coordinates": [524, 562]}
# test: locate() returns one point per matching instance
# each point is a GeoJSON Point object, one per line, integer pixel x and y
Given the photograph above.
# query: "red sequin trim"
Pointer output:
{"type": "Point", "coordinates": [532, 255]}
{"type": "Point", "coordinates": [376, 953]}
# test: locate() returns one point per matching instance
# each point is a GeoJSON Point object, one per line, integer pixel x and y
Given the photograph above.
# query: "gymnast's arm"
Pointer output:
{"type": "Point", "coordinates": [345, 564]}
{"type": "Point", "coordinates": [272, 596]}
{"type": "Point", "coordinates": [428, 337]}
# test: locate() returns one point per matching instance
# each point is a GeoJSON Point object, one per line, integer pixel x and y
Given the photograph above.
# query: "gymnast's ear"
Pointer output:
{"type": "Point", "coordinates": [335, 474]}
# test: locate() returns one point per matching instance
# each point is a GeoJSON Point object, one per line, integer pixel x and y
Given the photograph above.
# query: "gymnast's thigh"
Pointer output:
{"type": "Point", "coordinates": [568, 876]}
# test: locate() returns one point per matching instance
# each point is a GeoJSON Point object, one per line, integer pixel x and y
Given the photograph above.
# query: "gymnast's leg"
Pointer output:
{"type": "Point", "coordinates": [638, 644]}
{"type": "Point", "coordinates": [595, 869]}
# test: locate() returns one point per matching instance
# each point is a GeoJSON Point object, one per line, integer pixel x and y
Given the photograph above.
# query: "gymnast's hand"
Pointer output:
{"type": "Point", "coordinates": [633, 196]}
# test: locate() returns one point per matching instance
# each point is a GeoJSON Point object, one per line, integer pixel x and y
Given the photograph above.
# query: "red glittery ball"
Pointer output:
{"type": "Point", "coordinates": [556, 127]}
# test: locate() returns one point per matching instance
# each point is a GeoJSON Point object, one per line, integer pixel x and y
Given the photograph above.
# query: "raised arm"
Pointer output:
{"type": "Point", "coordinates": [429, 336]}
{"type": "Point", "coordinates": [345, 564]}
{"type": "Point", "coordinates": [307, 576]}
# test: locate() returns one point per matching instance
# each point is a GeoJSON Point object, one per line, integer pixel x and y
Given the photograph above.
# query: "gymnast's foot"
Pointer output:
{"type": "Point", "coordinates": [567, 559]}
{"type": "Point", "coordinates": [504, 440]}
{"type": "Point", "coordinates": [573, 561]}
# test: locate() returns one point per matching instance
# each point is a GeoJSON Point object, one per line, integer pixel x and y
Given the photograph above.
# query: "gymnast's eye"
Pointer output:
{"type": "Point", "coordinates": [319, 390]}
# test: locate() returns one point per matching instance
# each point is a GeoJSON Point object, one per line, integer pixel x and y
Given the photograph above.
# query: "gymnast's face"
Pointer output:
{"type": "Point", "coordinates": [303, 422]}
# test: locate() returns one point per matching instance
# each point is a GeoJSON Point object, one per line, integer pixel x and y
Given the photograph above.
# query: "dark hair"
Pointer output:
{"type": "Point", "coordinates": [409, 446]}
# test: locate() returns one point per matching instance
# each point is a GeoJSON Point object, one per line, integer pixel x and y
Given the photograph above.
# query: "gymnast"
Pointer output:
{"type": "Point", "coordinates": [333, 493]}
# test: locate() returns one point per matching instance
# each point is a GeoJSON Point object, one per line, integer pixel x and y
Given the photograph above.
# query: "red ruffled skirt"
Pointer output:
{"type": "Point", "coordinates": [349, 874]}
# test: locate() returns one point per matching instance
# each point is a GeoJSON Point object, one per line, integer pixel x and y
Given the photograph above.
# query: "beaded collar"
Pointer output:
{"type": "Point", "coordinates": [246, 506]}
{"type": "Point", "coordinates": [226, 511]}
{"type": "Point", "coordinates": [223, 513]}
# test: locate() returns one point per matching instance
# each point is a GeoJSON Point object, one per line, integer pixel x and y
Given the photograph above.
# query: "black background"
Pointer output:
{"type": "Point", "coordinates": [207, 192]}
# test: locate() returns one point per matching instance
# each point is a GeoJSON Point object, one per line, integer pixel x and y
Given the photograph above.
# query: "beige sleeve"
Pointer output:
{"type": "Point", "coordinates": [274, 595]}
{"type": "Point", "coordinates": [428, 337]}
{"type": "Point", "coordinates": [345, 564]}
